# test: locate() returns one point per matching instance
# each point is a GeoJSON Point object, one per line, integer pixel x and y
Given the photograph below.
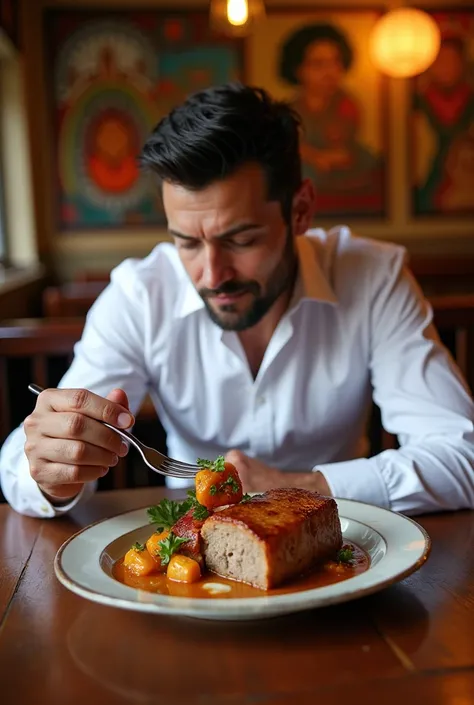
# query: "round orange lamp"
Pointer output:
{"type": "Point", "coordinates": [405, 42]}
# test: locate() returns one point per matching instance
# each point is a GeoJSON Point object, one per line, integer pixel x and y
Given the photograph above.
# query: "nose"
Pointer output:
{"type": "Point", "coordinates": [217, 268]}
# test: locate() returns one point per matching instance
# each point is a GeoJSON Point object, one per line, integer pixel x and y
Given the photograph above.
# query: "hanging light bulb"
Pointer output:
{"type": "Point", "coordinates": [236, 18]}
{"type": "Point", "coordinates": [237, 12]}
{"type": "Point", "coordinates": [404, 42]}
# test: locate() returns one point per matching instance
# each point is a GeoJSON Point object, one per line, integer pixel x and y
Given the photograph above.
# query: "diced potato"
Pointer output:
{"type": "Point", "coordinates": [183, 569]}
{"type": "Point", "coordinates": [153, 548]}
{"type": "Point", "coordinates": [213, 489]}
{"type": "Point", "coordinates": [139, 562]}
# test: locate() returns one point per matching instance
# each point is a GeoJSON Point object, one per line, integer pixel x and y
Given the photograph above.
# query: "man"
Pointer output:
{"type": "Point", "coordinates": [254, 338]}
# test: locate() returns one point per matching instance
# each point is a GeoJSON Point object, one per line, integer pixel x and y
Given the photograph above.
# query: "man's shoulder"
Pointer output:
{"type": "Point", "coordinates": [341, 248]}
{"type": "Point", "coordinates": [160, 269]}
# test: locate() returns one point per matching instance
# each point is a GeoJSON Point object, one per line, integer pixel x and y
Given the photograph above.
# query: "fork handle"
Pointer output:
{"type": "Point", "coordinates": [126, 435]}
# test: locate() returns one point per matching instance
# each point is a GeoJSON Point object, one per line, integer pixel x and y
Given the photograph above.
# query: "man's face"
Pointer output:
{"type": "Point", "coordinates": [234, 244]}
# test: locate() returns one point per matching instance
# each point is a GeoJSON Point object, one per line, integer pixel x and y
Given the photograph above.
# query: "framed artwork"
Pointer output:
{"type": "Point", "coordinates": [112, 76]}
{"type": "Point", "coordinates": [319, 61]}
{"type": "Point", "coordinates": [442, 122]}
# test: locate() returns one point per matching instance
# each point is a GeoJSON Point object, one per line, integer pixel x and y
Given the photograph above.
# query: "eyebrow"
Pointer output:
{"type": "Point", "coordinates": [228, 233]}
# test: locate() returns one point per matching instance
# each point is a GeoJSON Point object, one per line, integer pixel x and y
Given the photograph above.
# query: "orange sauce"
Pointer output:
{"type": "Point", "coordinates": [324, 574]}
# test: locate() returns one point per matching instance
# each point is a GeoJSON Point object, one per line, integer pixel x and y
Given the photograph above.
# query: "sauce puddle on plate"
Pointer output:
{"type": "Point", "coordinates": [213, 586]}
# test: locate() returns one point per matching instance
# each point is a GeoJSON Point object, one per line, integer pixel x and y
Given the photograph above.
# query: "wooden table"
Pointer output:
{"type": "Point", "coordinates": [411, 643]}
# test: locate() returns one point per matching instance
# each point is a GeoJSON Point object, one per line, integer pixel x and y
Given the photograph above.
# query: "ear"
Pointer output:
{"type": "Point", "coordinates": [304, 207]}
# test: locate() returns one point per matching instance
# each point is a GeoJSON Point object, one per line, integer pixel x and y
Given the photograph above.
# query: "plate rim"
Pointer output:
{"type": "Point", "coordinates": [144, 606]}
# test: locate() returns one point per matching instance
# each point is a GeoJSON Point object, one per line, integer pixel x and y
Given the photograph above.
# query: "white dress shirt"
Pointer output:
{"type": "Point", "coordinates": [357, 325]}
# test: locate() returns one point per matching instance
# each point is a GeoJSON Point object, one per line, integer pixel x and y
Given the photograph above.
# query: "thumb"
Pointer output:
{"type": "Point", "coordinates": [119, 397]}
{"type": "Point", "coordinates": [237, 458]}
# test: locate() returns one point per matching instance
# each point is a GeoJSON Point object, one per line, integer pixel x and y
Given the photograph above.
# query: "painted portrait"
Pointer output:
{"type": "Point", "coordinates": [319, 62]}
{"type": "Point", "coordinates": [114, 76]}
{"type": "Point", "coordinates": [442, 122]}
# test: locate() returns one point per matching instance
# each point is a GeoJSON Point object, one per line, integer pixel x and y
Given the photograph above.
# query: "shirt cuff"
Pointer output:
{"type": "Point", "coordinates": [356, 479]}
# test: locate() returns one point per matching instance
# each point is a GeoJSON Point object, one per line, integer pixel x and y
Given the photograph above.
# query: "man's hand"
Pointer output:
{"type": "Point", "coordinates": [66, 445]}
{"type": "Point", "coordinates": [259, 477]}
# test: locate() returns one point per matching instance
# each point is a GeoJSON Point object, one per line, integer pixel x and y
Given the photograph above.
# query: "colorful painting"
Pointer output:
{"type": "Point", "coordinates": [319, 61]}
{"type": "Point", "coordinates": [114, 75]}
{"type": "Point", "coordinates": [442, 121]}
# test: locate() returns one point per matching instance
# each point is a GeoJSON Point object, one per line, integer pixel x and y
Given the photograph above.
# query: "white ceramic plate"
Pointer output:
{"type": "Point", "coordinates": [397, 547]}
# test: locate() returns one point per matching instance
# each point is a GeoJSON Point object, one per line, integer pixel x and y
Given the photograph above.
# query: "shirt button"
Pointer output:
{"type": "Point", "coordinates": [260, 401]}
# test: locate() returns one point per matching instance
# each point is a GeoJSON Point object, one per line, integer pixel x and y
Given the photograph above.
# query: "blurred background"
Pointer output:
{"type": "Point", "coordinates": [386, 97]}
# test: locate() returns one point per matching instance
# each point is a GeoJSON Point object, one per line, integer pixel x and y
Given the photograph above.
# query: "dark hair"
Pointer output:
{"type": "Point", "coordinates": [294, 49]}
{"type": "Point", "coordinates": [217, 130]}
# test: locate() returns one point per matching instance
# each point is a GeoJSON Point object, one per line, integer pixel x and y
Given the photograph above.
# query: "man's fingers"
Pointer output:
{"type": "Point", "coordinates": [237, 458]}
{"type": "Point", "coordinates": [71, 452]}
{"type": "Point", "coordinates": [84, 402]}
{"type": "Point", "coordinates": [74, 426]}
{"type": "Point", "coordinates": [51, 475]}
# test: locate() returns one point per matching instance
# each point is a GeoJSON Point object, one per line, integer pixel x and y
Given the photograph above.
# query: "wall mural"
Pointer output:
{"type": "Point", "coordinates": [442, 122]}
{"type": "Point", "coordinates": [113, 77]}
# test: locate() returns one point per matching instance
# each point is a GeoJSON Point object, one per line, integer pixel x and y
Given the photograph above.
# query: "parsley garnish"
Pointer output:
{"type": "Point", "coordinates": [200, 512]}
{"type": "Point", "coordinates": [167, 512]}
{"type": "Point", "coordinates": [218, 465]}
{"type": "Point", "coordinates": [232, 482]}
{"type": "Point", "coordinates": [345, 555]}
{"type": "Point", "coordinates": [246, 497]}
{"type": "Point", "coordinates": [168, 546]}
{"type": "Point", "coordinates": [213, 489]}
{"type": "Point", "coordinates": [138, 546]}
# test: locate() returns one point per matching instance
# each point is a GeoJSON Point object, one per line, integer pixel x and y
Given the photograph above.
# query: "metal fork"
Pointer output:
{"type": "Point", "coordinates": [153, 458]}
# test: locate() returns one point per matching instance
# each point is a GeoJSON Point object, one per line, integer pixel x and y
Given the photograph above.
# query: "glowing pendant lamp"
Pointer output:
{"type": "Point", "coordinates": [404, 42]}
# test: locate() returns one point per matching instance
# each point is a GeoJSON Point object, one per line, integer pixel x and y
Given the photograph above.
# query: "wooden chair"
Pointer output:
{"type": "Point", "coordinates": [91, 275]}
{"type": "Point", "coordinates": [439, 275]}
{"type": "Point", "coordinates": [454, 316]}
{"type": "Point", "coordinates": [40, 350]}
{"type": "Point", "coordinates": [39, 341]}
{"type": "Point", "coordinates": [71, 299]}
{"type": "Point", "coordinates": [74, 300]}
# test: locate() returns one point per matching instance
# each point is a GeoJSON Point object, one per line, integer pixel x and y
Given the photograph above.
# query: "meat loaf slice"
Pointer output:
{"type": "Point", "coordinates": [273, 537]}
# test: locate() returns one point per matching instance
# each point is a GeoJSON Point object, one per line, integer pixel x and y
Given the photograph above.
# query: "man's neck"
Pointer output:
{"type": "Point", "coordinates": [255, 340]}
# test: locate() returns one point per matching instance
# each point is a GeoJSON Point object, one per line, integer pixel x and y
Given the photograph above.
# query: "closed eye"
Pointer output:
{"type": "Point", "coordinates": [188, 244]}
{"type": "Point", "coordinates": [248, 242]}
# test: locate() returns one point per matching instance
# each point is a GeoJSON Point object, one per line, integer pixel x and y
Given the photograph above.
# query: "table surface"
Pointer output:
{"type": "Point", "coordinates": [412, 642]}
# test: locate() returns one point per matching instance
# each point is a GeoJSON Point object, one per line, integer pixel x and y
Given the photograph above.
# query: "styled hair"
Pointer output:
{"type": "Point", "coordinates": [219, 129]}
{"type": "Point", "coordinates": [294, 49]}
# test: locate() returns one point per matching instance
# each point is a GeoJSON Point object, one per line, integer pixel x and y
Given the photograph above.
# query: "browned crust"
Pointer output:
{"type": "Point", "coordinates": [275, 512]}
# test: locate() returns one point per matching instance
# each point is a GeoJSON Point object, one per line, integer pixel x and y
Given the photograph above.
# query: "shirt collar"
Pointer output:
{"type": "Point", "coordinates": [190, 301]}
{"type": "Point", "coordinates": [311, 282]}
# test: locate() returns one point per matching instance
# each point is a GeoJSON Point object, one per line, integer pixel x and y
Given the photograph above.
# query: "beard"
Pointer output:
{"type": "Point", "coordinates": [228, 316]}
